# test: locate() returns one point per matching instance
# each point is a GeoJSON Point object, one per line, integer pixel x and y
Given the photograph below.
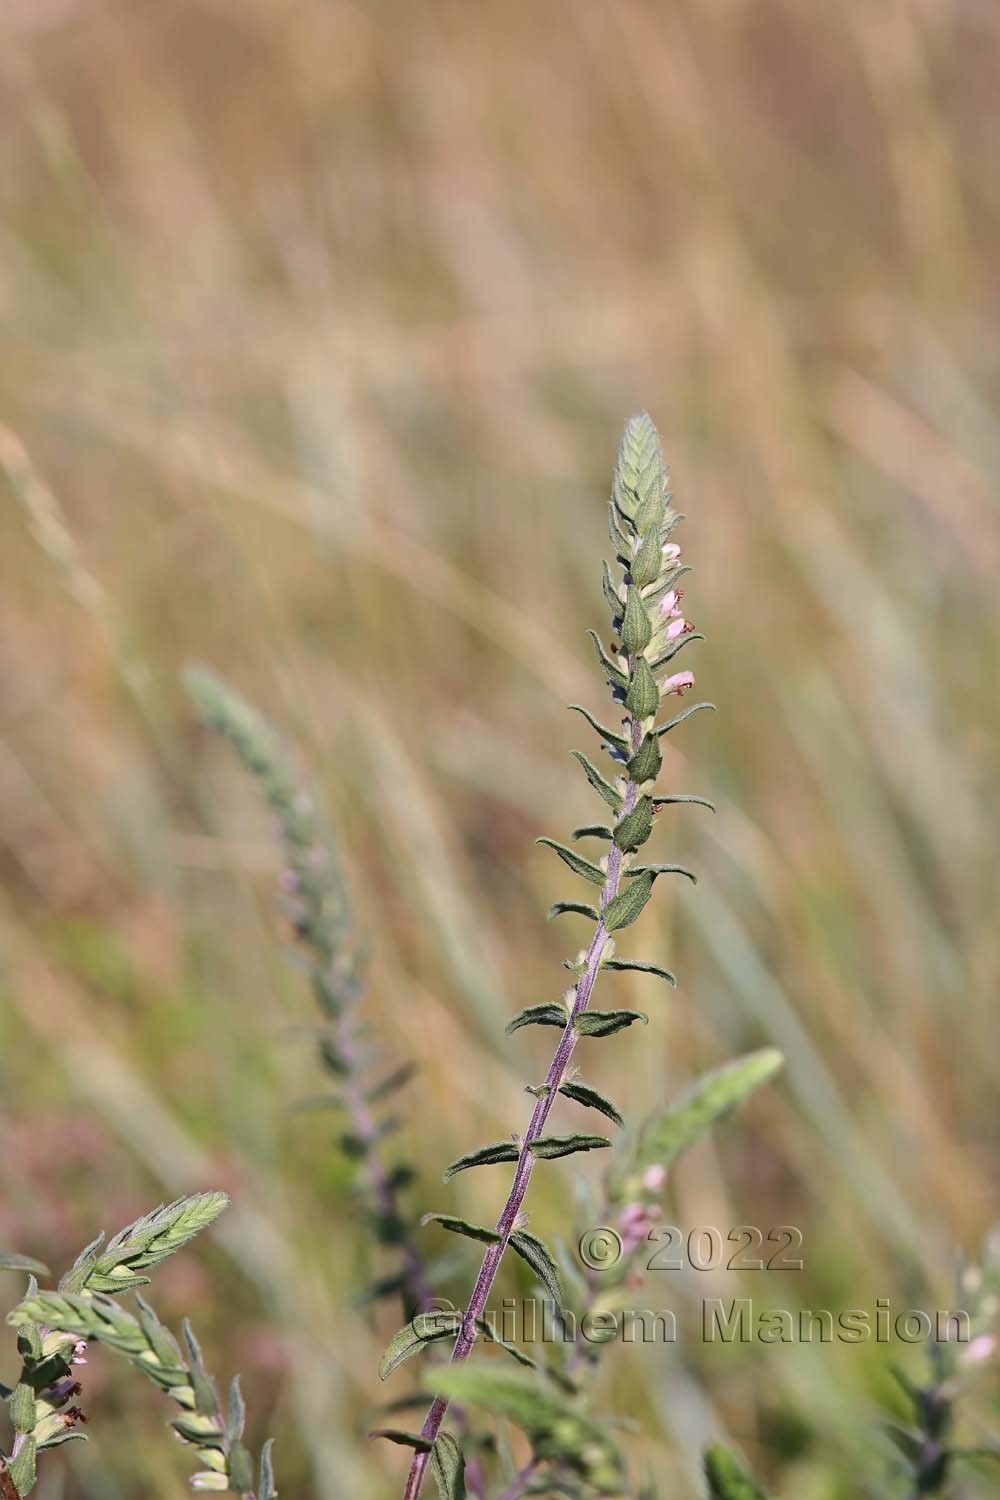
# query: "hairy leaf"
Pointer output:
{"type": "Point", "coordinates": [645, 566]}
{"type": "Point", "coordinates": [683, 797]}
{"type": "Point", "coordinates": [405, 1439]}
{"type": "Point", "coordinates": [654, 870]}
{"type": "Point", "coordinates": [486, 1156]}
{"type": "Point", "coordinates": [685, 713]}
{"type": "Point", "coordinates": [601, 786]}
{"type": "Point", "coordinates": [425, 1328]}
{"type": "Point", "coordinates": [11, 1261]}
{"type": "Point", "coordinates": [640, 967]}
{"type": "Point", "coordinates": [266, 1489]}
{"type": "Point", "coordinates": [635, 828]}
{"type": "Point", "coordinates": [578, 908]}
{"type": "Point", "coordinates": [645, 764]}
{"type": "Point", "coordinates": [593, 831]}
{"type": "Point", "coordinates": [615, 675]}
{"type": "Point", "coordinates": [637, 632]}
{"type": "Point", "coordinates": [448, 1467]}
{"type": "Point", "coordinates": [541, 1260]}
{"type": "Point", "coordinates": [462, 1226]}
{"type": "Point", "coordinates": [626, 906]}
{"type": "Point", "coordinates": [607, 1022]}
{"type": "Point", "coordinates": [547, 1147]}
{"type": "Point", "coordinates": [611, 736]}
{"type": "Point", "coordinates": [582, 1093]}
{"type": "Point", "coordinates": [576, 862]}
{"type": "Point", "coordinates": [643, 696]}
{"type": "Point", "coordinates": [706, 1101]}
{"type": "Point", "coordinates": [551, 1014]}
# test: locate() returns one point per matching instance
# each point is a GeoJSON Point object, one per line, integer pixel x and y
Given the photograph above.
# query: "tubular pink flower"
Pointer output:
{"type": "Point", "coordinates": [678, 683]}
{"type": "Point", "coordinates": [654, 1178]}
{"type": "Point", "coordinates": [670, 603]}
{"type": "Point", "coordinates": [981, 1348]}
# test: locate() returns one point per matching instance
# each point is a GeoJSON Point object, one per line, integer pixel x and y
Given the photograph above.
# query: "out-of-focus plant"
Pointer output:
{"type": "Point", "coordinates": [928, 1444]}
{"type": "Point", "coordinates": [317, 904]}
{"type": "Point", "coordinates": [573, 1450]}
{"type": "Point", "coordinates": [55, 1327]}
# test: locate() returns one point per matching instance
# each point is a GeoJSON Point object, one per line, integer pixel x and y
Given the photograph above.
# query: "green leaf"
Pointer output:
{"type": "Point", "coordinates": [448, 1468]}
{"type": "Point", "coordinates": [425, 1328]}
{"type": "Point", "coordinates": [239, 1466]}
{"type": "Point", "coordinates": [683, 797]}
{"type": "Point", "coordinates": [21, 1468]}
{"type": "Point", "coordinates": [548, 1147]}
{"type": "Point", "coordinates": [626, 906]}
{"type": "Point", "coordinates": [727, 1480]}
{"type": "Point", "coordinates": [712, 1096]}
{"type": "Point", "coordinates": [579, 908]}
{"type": "Point", "coordinates": [593, 831]}
{"type": "Point", "coordinates": [486, 1156]}
{"type": "Point", "coordinates": [11, 1261]}
{"type": "Point", "coordinates": [645, 764]}
{"type": "Point", "coordinates": [396, 1080]}
{"type": "Point", "coordinates": [602, 787]}
{"type": "Point", "coordinates": [551, 1014]}
{"type": "Point", "coordinates": [685, 713]}
{"type": "Point", "coordinates": [616, 677]}
{"type": "Point", "coordinates": [635, 828]}
{"type": "Point", "coordinates": [609, 735]}
{"type": "Point", "coordinates": [645, 567]}
{"type": "Point", "coordinates": [540, 1258]}
{"type": "Point", "coordinates": [559, 1432]}
{"type": "Point", "coordinates": [654, 870]}
{"type": "Point", "coordinates": [637, 632]}
{"type": "Point", "coordinates": [582, 1093]}
{"type": "Point", "coordinates": [236, 1416]}
{"type": "Point", "coordinates": [576, 862]}
{"type": "Point", "coordinates": [607, 1022]}
{"type": "Point", "coordinates": [462, 1226]}
{"type": "Point", "coordinates": [405, 1439]}
{"type": "Point", "coordinates": [143, 1244]}
{"type": "Point", "coordinates": [643, 696]}
{"type": "Point", "coordinates": [490, 1334]}
{"type": "Point", "coordinates": [678, 645]}
{"type": "Point", "coordinates": [266, 1489]}
{"type": "Point", "coordinates": [642, 968]}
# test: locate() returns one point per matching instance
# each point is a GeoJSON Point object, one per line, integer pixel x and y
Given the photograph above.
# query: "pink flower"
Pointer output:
{"type": "Point", "coordinates": [678, 627]}
{"type": "Point", "coordinates": [654, 1178]}
{"type": "Point", "coordinates": [671, 552]}
{"type": "Point", "coordinates": [678, 683]}
{"type": "Point", "coordinates": [981, 1348]}
{"type": "Point", "coordinates": [670, 603]}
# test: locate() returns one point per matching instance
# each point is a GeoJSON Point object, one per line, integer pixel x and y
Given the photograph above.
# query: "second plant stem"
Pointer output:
{"type": "Point", "coordinates": [526, 1161]}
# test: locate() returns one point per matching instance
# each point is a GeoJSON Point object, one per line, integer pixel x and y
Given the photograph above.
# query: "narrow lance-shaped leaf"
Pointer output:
{"type": "Point", "coordinates": [623, 909]}
{"type": "Point", "coordinates": [654, 870]}
{"type": "Point", "coordinates": [600, 784]}
{"type": "Point", "coordinates": [462, 1226]}
{"type": "Point", "coordinates": [706, 1101]}
{"type": "Point", "coordinates": [11, 1261]}
{"type": "Point", "coordinates": [577, 908]}
{"type": "Point", "coordinates": [486, 1156]}
{"type": "Point", "coordinates": [541, 1260]}
{"type": "Point", "coordinates": [547, 1147]}
{"type": "Point", "coordinates": [641, 968]}
{"type": "Point", "coordinates": [685, 713]}
{"type": "Point", "coordinates": [607, 1022]}
{"type": "Point", "coordinates": [582, 1093]}
{"type": "Point", "coordinates": [425, 1328]}
{"type": "Point", "coordinates": [576, 862]}
{"type": "Point", "coordinates": [448, 1467]}
{"type": "Point", "coordinates": [611, 736]}
{"type": "Point", "coordinates": [550, 1014]}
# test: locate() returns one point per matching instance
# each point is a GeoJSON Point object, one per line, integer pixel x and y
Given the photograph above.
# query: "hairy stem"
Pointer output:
{"type": "Point", "coordinates": [508, 1219]}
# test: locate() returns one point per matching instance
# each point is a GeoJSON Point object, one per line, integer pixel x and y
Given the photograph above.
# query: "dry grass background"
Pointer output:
{"type": "Point", "coordinates": [320, 323]}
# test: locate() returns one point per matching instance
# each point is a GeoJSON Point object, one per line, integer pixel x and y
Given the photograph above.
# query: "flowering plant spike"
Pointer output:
{"type": "Point", "coordinates": [650, 629]}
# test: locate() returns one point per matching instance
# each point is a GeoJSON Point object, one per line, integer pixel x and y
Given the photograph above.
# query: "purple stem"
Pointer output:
{"type": "Point", "coordinates": [526, 1161]}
